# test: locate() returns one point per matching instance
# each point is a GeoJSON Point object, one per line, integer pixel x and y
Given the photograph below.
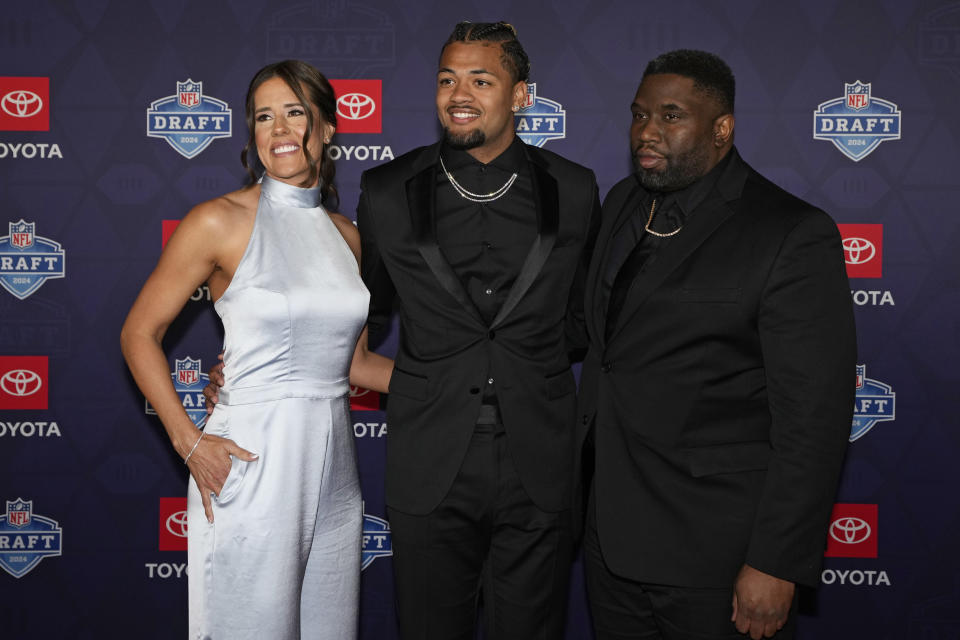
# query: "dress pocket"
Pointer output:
{"type": "Point", "coordinates": [219, 425]}
{"type": "Point", "coordinates": [230, 489]}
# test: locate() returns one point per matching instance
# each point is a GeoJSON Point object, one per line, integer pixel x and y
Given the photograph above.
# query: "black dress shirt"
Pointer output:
{"type": "Point", "coordinates": [633, 249]}
{"type": "Point", "coordinates": [486, 243]}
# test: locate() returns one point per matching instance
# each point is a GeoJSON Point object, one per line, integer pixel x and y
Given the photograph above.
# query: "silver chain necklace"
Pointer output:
{"type": "Point", "coordinates": [477, 197]}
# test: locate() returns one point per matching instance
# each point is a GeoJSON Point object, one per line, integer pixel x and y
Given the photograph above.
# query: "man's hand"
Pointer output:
{"type": "Point", "coordinates": [213, 388]}
{"type": "Point", "coordinates": [761, 602]}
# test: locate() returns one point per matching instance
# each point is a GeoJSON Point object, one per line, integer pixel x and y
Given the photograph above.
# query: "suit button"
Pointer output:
{"type": "Point", "coordinates": [605, 367]}
{"type": "Point", "coordinates": [474, 390]}
{"type": "Point", "coordinates": [492, 334]}
{"type": "Point", "coordinates": [586, 419]}
{"type": "Point", "coordinates": [489, 380]}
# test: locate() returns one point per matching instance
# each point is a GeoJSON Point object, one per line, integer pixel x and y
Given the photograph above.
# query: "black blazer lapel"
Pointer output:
{"type": "Point", "coordinates": [713, 212]}
{"type": "Point", "coordinates": [594, 305]}
{"type": "Point", "coordinates": [421, 205]}
{"type": "Point", "coordinates": [546, 194]}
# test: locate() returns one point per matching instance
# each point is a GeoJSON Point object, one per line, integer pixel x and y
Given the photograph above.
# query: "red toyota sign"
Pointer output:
{"type": "Point", "coordinates": [24, 104]}
{"type": "Point", "coordinates": [363, 399]}
{"type": "Point", "coordinates": [852, 532]}
{"type": "Point", "coordinates": [24, 382]}
{"type": "Point", "coordinates": [169, 226]}
{"type": "Point", "coordinates": [863, 249]}
{"type": "Point", "coordinates": [359, 106]}
{"type": "Point", "coordinates": [173, 524]}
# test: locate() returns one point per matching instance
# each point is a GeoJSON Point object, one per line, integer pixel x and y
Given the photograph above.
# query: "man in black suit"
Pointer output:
{"type": "Point", "coordinates": [483, 241]}
{"type": "Point", "coordinates": [719, 384]}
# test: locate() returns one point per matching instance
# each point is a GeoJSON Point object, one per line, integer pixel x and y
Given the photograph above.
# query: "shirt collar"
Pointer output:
{"type": "Point", "coordinates": [510, 161]}
{"type": "Point", "coordinates": [690, 197]}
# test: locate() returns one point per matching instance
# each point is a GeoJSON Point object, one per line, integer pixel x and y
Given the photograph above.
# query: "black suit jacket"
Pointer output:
{"type": "Point", "coordinates": [723, 399]}
{"type": "Point", "coordinates": [447, 352]}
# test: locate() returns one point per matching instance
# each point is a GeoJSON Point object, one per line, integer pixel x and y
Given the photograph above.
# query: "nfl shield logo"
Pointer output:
{"type": "Point", "coordinates": [188, 94]}
{"type": "Point", "coordinates": [26, 538]}
{"type": "Point", "coordinates": [861, 374]}
{"type": "Point", "coordinates": [21, 234]}
{"type": "Point", "coordinates": [19, 512]}
{"type": "Point", "coordinates": [188, 371]}
{"type": "Point", "coordinates": [540, 119]}
{"type": "Point", "coordinates": [858, 95]}
{"type": "Point", "coordinates": [531, 96]}
{"type": "Point", "coordinates": [377, 540]}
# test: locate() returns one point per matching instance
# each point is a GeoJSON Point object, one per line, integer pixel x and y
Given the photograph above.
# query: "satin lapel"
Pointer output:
{"type": "Point", "coordinates": [597, 312]}
{"type": "Point", "coordinates": [421, 205]}
{"type": "Point", "coordinates": [712, 213]}
{"type": "Point", "coordinates": [548, 221]}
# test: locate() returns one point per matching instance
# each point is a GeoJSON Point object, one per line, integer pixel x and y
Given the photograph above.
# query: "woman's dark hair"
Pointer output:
{"type": "Point", "coordinates": [312, 89]}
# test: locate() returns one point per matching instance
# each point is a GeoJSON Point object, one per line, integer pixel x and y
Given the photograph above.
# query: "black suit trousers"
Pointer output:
{"type": "Point", "coordinates": [485, 543]}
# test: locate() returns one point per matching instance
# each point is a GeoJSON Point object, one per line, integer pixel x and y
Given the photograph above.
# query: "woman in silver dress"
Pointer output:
{"type": "Point", "coordinates": [274, 505]}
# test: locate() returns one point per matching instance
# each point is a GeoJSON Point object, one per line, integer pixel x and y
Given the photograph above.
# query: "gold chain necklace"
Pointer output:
{"type": "Point", "coordinates": [647, 228]}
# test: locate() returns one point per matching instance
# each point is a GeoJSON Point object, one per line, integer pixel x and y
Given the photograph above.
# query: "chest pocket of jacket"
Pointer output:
{"type": "Point", "coordinates": [727, 295]}
{"type": "Point", "coordinates": [728, 458]}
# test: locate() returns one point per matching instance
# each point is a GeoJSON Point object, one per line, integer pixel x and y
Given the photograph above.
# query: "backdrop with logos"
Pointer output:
{"type": "Point", "coordinates": [116, 117]}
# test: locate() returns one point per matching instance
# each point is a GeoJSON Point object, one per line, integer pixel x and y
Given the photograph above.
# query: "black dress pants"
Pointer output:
{"type": "Point", "coordinates": [486, 542]}
{"type": "Point", "coordinates": [626, 609]}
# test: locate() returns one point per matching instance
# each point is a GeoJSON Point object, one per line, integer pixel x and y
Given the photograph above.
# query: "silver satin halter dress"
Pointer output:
{"type": "Point", "coordinates": [282, 558]}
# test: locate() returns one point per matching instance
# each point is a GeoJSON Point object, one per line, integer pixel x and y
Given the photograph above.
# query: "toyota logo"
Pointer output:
{"type": "Point", "coordinates": [357, 392]}
{"type": "Point", "coordinates": [355, 106]}
{"type": "Point", "coordinates": [21, 103]}
{"type": "Point", "coordinates": [177, 524]}
{"type": "Point", "coordinates": [20, 382]}
{"type": "Point", "coordinates": [849, 530]}
{"type": "Point", "coordinates": [858, 250]}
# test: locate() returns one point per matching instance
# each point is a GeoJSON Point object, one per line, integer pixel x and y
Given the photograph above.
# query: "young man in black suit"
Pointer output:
{"type": "Point", "coordinates": [719, 384]}
{"type": "Point", "coordinates": [483, 242]}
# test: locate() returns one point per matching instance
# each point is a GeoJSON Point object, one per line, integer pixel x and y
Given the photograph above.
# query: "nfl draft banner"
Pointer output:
{"type": "Point", "coordinates": [28, 260]}
{"type": "Point", "coordinates": [26, 538]}
{"type": "Point", "coordinates": [117, 118]}
{"type": "Point", "coordinates": [189, 381]}
{"type": "Point", "coordinates": [540, 119]}
{"type": "Point", "coordinates": [857, 123]}
{"type": "Point", "coordinates": [189, 121]}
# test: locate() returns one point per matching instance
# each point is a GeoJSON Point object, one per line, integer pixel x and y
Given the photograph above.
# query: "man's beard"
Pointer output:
{"type": "Point", "coordinates": [472, 140]}
{"type": "Point", "coordinates": [681, 171]}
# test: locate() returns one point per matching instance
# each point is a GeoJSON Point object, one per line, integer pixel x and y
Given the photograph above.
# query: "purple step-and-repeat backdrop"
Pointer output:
{"type": "Point", "coordinates": [116, 117]}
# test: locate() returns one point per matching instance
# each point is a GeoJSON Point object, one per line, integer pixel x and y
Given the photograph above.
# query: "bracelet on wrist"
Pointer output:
{"type": "Point", "coordinates": [194, 448]}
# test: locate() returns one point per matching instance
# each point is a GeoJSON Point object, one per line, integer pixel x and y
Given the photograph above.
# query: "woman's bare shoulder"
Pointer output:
{"type": "Point", "coordinates": [217, 226]}
{"type": "Point", "coordinates": [224, 214]}
{"type": "Point", "coordinates": [227, 208]}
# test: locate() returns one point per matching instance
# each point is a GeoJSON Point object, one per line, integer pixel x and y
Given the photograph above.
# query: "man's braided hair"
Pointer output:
{"type": "Point", "coordinates": [514, 58]}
